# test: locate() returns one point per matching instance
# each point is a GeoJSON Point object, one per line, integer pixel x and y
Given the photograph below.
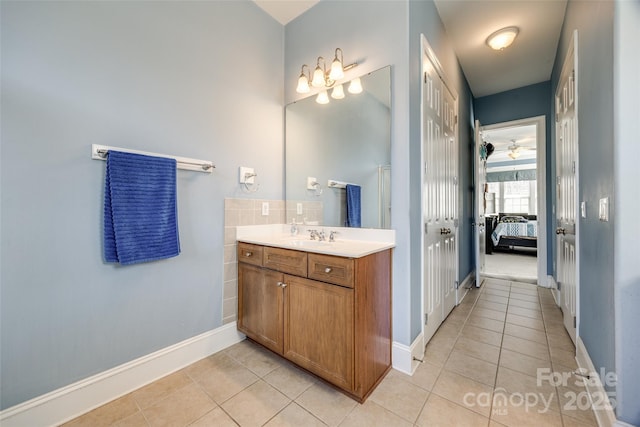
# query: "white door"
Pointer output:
{"type": "Point", "coordinates": [480, 208]}
{"type": "Point", "coordinates": [439, 197]}
{"type": "Point", "coordinates": [567, 189]}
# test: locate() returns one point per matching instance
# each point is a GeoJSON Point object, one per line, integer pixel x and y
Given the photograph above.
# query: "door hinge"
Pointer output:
{"type": "Point", "coordinates": [559, 285]}
{"type": "Point", "coordinates": [457, 284]}
{"type": "Point", "coordinates": [456, 119]}
{"type": "Point", "coordinates": [557, 118]}
{"type": "Point", "coordinates": [426, 318]}
{"type": "Point", "coordinates": [426, 230]}
{"type": "Point", "coordinates": [425, 77]}
{"type": "Point", "coordinates": [574, 322]}
{"type": "Point", "coordinates": [573, 167]}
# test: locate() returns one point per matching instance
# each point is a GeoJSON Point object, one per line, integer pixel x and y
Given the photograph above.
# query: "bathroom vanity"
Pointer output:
{"type": "Point", "coordinates": [324, 306]}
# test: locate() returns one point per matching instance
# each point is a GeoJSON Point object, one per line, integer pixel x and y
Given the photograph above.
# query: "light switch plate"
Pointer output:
{"type": "Point", "coordinates": [583, 209]}
{"type": "Point", "coordinates": [265, 208]}
{"type": "Point", "coordinates": [603, 209]}
{"type": "Point", "coordinates": [298, 208]}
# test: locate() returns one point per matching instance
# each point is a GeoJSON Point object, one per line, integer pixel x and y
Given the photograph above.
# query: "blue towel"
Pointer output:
{"type": "Point", "coordinates": [354, 216]}
{"type": "Point", "coordinates": [140, 208]}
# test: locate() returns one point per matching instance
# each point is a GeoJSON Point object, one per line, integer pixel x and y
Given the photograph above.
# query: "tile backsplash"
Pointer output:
{"type": "Point", "coordinates": [242, 212]}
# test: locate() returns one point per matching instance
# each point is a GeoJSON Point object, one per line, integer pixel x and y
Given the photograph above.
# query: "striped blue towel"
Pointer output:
{"type": "Point", "coordinates": [140, 208]}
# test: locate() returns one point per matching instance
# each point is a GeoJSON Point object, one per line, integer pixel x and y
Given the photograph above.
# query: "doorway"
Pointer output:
{"type": "Point", "coordinates": [514, 201]}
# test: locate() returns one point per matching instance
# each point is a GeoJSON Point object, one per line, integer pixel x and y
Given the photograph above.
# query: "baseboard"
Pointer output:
{"type": "Point", "coordinates": [605, 416]}
{"type": "Point", "coordinates": [465, 285]}
{"type": "Point", "coordinates": [76, 399]}
{"type": "Point", "coordinates": [403, 358]}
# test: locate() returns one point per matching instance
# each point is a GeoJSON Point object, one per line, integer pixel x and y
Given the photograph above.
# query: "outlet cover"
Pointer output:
{"type": "Point", "coordinates": [247, 175]}
{"type": "Point", "coordinates": [265, 208]}
{"type": "Point", "coordinates": [299, 208]}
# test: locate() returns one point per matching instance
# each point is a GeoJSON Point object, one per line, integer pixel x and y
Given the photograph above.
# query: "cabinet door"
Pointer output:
{"type": "Point", "coordinates": [319, 329]}
{"type": "Point", "coordinates": [260, 305]}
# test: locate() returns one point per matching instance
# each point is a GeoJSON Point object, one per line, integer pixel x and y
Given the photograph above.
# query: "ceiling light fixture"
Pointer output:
{"type": "Point", "coordinates": [320, 77]}
{"type": "Point", "coordinates": [502, 38]}
{"type": "Point", "coordinates": [514, 154]}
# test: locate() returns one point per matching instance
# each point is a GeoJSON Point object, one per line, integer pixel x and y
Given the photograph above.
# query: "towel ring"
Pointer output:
{"type": "Point", "coordinates": [250, 188]}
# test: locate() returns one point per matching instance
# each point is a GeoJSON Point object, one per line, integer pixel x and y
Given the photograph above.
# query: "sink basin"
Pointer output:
{"type": "Point", "coordinates": [301, 243]}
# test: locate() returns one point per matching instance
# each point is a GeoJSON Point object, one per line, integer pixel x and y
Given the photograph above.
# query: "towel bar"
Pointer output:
{"type": "Point", "coordinates": [100, 152]}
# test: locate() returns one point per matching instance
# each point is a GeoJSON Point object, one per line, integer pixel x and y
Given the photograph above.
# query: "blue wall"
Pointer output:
{"type": "Point", "coordinates": [154, 76]}
{"type": "Point", "coordinates": [523, 103]}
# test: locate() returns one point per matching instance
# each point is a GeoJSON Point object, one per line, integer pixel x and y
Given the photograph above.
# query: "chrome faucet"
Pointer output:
{"type": "Point", "coordinates": [332, 236]}
{"type": "Point", "coordinates": [321, 236]}
{"type": "Point", "coordinates": [313, 234]}
{"type": "Point", "coordinates": [294, 228]}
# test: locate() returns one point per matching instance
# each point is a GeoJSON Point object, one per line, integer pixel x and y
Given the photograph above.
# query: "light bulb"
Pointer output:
{"type": "Point", "coordinates": [323, 97]}
{"type": "Point", "coordinates": [337, 72]}
{"type": "Point", "coordinates": [355, 86]}
{"type": "Point", "coordinates": [337, 92]}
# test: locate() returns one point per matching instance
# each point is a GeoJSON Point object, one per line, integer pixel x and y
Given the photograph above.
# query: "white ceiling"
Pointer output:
{"type": "Point", "coordinates": [468, 23]}
{"type": "Point", "coordinates": [527, 61]}
{"type": "Point", "coordinates": [504, 139]}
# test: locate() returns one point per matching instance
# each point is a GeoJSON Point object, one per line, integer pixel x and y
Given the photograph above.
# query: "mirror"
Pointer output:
{"type": "Point", "coordinates": [347, 141]}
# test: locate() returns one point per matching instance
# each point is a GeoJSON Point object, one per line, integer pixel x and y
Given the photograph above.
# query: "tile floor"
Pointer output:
{"type": "Point", "coordinates": [480, 369]}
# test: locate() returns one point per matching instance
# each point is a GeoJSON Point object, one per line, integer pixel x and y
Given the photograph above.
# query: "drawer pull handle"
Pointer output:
{"type": "Point", "coordinates": [248, 254]}
{"type": "Point", "coordinates": [327, 270]}
{"type": "Point", "coordinates": [281, 285]}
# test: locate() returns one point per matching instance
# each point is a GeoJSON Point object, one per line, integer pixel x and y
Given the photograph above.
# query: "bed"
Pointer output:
{"type": "Point", "coordinates": [513, 229]}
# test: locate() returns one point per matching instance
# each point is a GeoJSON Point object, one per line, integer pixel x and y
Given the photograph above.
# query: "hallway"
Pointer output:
{"type": "Point", "coordinates": [481, 364]}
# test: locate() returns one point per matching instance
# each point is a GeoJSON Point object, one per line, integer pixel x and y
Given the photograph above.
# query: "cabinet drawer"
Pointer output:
{"type": "Point", "coordinates": [331, 269]}
{"type": "Point", "coordinates": [285, 260]}
{"type": "Point", "coordinates": [251, 254]}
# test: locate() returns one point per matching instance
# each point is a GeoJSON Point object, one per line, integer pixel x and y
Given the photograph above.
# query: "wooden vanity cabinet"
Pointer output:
{"type": "Point", "coordinates": [330, 315]}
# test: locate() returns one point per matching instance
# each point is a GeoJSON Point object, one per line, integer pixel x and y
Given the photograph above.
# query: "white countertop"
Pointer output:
{"type": "Point", "coordinates": [350, 242]}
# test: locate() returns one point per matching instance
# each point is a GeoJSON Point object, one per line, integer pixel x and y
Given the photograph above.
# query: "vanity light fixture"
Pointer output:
{"type": "Point", "coordinates": [502, 38]}
{"type": "Point", "coordinates": [321, 77]}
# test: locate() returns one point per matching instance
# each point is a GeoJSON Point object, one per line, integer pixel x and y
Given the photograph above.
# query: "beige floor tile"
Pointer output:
{"type": "Point", "coordinates": [524, 304]}
{"type": "Point", "coordinates": [216, 417]}
{"type": "Point", "coordinates": [526, 347]}
{"type": "Point", "coordinates": [108, 414]}
{"type": "Point", "coordinates": [472, 367]}
{"type": "Point", "coordinates": [497, 284]}
{"type": "Point", "coordinates": [256, 404]}
{"type": "Point", "coordinates": [464, 391]}
{"type": "Point", "coordinates": [486, 352]}
{"type": "Point", "coordinates": [326, 403]}
{"type": "Point", "coordinates": [564, 357]}
{"type": "Point", "coordinates": [489, 314]}
{"type": "Point", "coordinates": [135, 420]}
{"type": "Point", "coordinates": [436, 355]}
{"type": "Point", "coordinates": [495, 281]}
{"type": "Point", "coordinates": [158, 390]}
{"type": "Point", "coordinates": [370, 414]}
{"type": "Point", "coordinates": [400, 397]}
{"type": "Point", "coordinates": [225, 381]}
{"type": "Point", "coordinates": [575, 403]}
{"type": "Point", "coordinates": [527, 322]}
{"type": "Point", "coordinates": [439, 412]}
{"type": "Point", "coordinates": [424, 377]}
{"type": "Point", "coordinates": [524, 291]}
{"type": "Point", "coordinates": [555, 328]}
{"type": "Point", "coordinates": [519, 415]}
{"type": "Point", "coordinates": [525, 312]}
{"type": "Point", "coordinates": [496, 299]}
{"type": "Point", "coordinates": [258, 359]}
{"type": "Point", "coordinates": [491, 306]}
{"type": "Point", "coordinates": [560, 342]}
{"type": "Point", "coordinates": [483, 322]}
{"type": "Point", "coordinates": [448, 329]}
{"type": "Point", "coordinates": [483, 335]}
{"type": "Point", "coordinates": [525, 333]}
{"type": "Point", "coordinates": [493, 291]}
{"type": "Point", "coordinates": [215, 361]}
{"type": "Point", "coordinates": [290, 381]}
{"type": "Point", "coordinates": [294, 416]}
{"type": "Point", "coordinates": [533, 299]}
{"type": "Point", "coordinates": [517, 384]}
{"type": "Point", "coordinates": [180, 408]}
{"type": "Point", "coordinates": [569, 421]}
{"type": "Point", "coordinates": [522, 363]}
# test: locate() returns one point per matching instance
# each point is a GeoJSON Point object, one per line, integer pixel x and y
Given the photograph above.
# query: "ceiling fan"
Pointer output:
{"type": "Point", "coordinates": [515, 150]}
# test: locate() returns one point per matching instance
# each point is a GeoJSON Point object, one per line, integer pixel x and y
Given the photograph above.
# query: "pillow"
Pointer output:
{"type": "Point", "coordinates": [513, 218]}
